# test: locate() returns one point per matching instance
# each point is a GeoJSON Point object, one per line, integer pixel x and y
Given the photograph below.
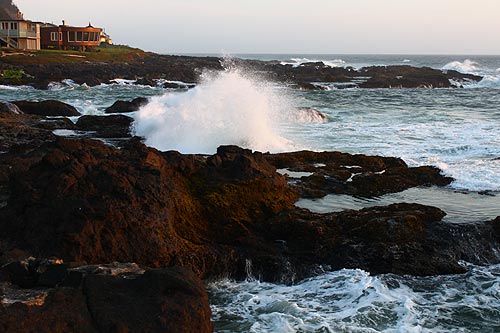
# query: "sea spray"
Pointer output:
{"type": "Point", "coordinates": [229, 107]}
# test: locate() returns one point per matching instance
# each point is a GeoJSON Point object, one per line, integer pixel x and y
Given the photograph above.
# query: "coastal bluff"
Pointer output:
{"type": "Point", "coordinates": [39, 68]}
{"type": "Point", "coordinates": [79, 216]}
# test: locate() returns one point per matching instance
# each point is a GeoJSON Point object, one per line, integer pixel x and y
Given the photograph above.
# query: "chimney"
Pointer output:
{"type": "Point", "coordinates": [64, 23]}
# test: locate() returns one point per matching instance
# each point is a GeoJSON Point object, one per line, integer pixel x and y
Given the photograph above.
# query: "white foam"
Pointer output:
{"type": "Point", "coordinates": [6, 87]}
{"type": "Point", "coordinates": [229, 107]}
{"type": "Point", "coordinates": [294, 174]}
{"type": "Point", "coordinates": [296, 62]}
{"type": "Point", "coordinates": [123, 81]}
{"type": "Point", "coordinates": [466, 66]}
{"type": "Point", "coordinates": [488, 81]}
{"type": "Point", "coordinates": [354, 301]}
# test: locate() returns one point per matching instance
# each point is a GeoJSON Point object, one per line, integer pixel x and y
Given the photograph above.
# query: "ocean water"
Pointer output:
{"type": "Point", "coordinates": [456, 130]}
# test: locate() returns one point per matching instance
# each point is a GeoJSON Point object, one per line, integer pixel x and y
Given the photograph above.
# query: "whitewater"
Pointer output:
{"type": "Point", "coordinates": [456, 130]}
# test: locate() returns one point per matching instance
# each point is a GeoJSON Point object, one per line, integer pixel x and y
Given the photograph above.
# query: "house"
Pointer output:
{"type": "Point", "coordinates": [106, 39]}
{"type": "Point", "coordinates": [65, 37]}
{"type": "Point", "coordinates": [16, 32]}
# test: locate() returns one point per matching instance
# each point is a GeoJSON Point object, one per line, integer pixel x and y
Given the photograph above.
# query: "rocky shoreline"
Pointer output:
{"type": "Point", "coordinates": [82, 206]}
{"type": "Point", "coordinates": [147, 68]}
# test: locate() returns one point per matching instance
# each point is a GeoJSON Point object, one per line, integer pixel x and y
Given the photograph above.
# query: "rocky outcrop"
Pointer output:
{"type": "Point", "coordinates": [115, 126]}
{"type": "Point", "coordinates": [87, 202]}
{"type": "Point", "coordinates": [148, 68]}
{"type": "Point", "coordinates": [47, 108]}
{"type": "Point", "coordinates": [127, 106]}
{"type": "Point", "coordinates": [361, 175]}
{"type": "Point", "coordinates": [109, 298]}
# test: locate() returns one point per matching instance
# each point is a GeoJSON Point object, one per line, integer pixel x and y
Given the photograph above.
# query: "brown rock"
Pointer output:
{"type": "Point", "coordinates": [47, 108]}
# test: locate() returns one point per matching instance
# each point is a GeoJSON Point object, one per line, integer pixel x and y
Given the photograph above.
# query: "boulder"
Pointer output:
{"type": "Point", "coordinates": [114, 126]}
{"type": "Point", "coordinates": [167, 300]}
{"type": "Point", "coordinates": [47, 108]}
{"type": "Point", "coordinates": [127, 106]}
{"type": "Point", "coordinates": [9, 107]}
{"type": "Point", "coordinates": [162, 300]}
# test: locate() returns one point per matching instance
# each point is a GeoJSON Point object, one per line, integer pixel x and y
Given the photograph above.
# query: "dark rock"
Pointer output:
{"type": "Point", "coordinates": [22, 129]}
{"type": "Point", "coordinates": [359, 175]}
{"type": "Point", "coordinates": [170, 300]}
{"type": "Point", "coordinates": [51, 275]}
{"type": "Point", "coordinates": [146, 82]}
{"type": "Point", "coordinates": [125, 106]}
{"type": "Point", "coordinates": [55, 311]}
{"type": "Point", "coordinates": [47, 108]}
{"type": "Point", "coordinates": [21, 273]}
{"type": "Point", "coordinates": [309, 86]}
{"type": "Point", "coordinates": [9, 107]}
{"type": "Point", "coordinates": [114, 126]}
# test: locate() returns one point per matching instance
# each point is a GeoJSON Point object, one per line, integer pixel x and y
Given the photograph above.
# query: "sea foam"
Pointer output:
{"type": "Point", "coordinates": [228, 107]}
{"type": "Point", "coordinates": [467, 66]}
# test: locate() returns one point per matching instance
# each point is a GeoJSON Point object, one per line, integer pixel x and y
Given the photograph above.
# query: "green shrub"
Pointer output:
{"type": "Point", "coordinates": [13, 74]}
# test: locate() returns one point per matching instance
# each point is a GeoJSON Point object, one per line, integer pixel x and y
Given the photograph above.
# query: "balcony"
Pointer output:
{"type": "Point", "coordinates": [18, 34]}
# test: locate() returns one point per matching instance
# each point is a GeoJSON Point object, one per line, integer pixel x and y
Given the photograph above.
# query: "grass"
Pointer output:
{"type": "Point", "coordinates": [99, 54]}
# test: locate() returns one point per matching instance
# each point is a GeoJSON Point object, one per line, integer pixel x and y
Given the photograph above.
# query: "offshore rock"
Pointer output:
{"type": "Point", "coordinates": [47, 108]}
{"type": "Point", "coordinates": [167, 300]}
{"type": "Point", "coordinates": [127, 106]}
{"type": "Point", "coordinates": [114, 126]}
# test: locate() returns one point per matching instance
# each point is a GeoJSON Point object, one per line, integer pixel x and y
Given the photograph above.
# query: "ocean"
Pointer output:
{"type": "Point", "coordinates": [456, 130]}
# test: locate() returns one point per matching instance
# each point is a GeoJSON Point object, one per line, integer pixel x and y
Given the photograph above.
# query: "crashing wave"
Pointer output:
{"type": "Point", "coordinates": [229, 107]}
{"type": "Point", "coordinates": [296, 62]}
{"type": "Point", "coordinates": [467, 66]}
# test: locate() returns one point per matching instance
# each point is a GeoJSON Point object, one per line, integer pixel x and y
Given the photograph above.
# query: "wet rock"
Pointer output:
{"type": "Point", "coordinates": [146, 82]}
{"type": "Point", "coordinates": [168, 300]}
{"type": "Point", "coordinates": [87, 203]}
{"type": "Point", "coordinates": [47, 108]}
{"type": "Point", "coordinates": [22, 129]}
{"type": "Point", "coordinates": [400, 238]}
{"type": "Point", "coordinates": [9, 107]}
{"type": "Point", "coordinates": [127, 106]}
{"type": "Point", "coordinates": [309, 86]}
{"type": "Point", "coordinates": [362, 175]}
{"type": "Point", "coordinates": [114, 126]}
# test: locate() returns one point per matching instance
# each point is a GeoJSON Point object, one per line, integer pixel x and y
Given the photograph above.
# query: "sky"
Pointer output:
{"type": "Point", "coordinates": [286, 26]}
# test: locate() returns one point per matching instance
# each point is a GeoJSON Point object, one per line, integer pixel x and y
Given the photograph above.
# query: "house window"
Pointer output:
{"type": "Point", "coordinates": [53, 36]}
{"type": "Point", "coordinates": [5, 26]}
{"type": "Point", "coordinates": [85, 36]}
{"type": "Point", "coordinates": [79, 36]}
{"type": "Point", "coordinates": [13, 25]}
{"type": "Point", "coordinates": [60, 36]}
{"type": "Point", "coordinates": [33, 27]}
{"type": "Point", "coordinates": [71, 36]}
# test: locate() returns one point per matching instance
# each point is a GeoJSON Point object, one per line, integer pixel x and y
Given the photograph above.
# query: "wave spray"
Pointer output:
{"type": "Point", "coordinates": [227, 107]}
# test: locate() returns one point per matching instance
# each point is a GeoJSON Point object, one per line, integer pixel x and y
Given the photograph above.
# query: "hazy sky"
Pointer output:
{"type": "Point", "coordinates": [286, 26]}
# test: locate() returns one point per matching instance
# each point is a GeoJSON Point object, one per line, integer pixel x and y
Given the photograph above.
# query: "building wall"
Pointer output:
{"type": "Point", "coordinates": [70, 37]}
{"type": "Point", "coordinates": [25, 33]}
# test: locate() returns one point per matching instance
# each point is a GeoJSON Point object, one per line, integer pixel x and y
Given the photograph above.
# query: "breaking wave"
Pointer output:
{"type": "Point", "coordinates": [296, 62]}
{"type": "Point", "coordinates": [354, 301]}
{"type": "Point", "coordinates": [228, 107]}
{"type": "Point", "coordinates": [467, 66]}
